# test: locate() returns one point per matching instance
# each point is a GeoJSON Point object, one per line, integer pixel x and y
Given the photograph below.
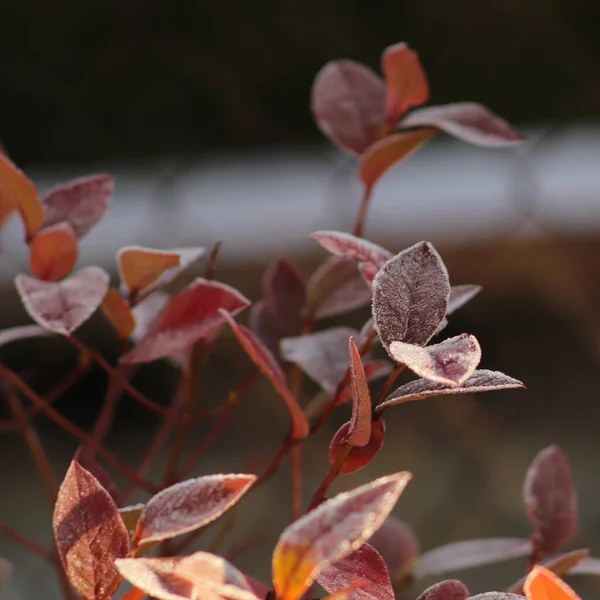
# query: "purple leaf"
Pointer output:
{"type": "Point", "coordinates": [470, 553]}
{"type": "Point", "coordinates": [364, 563]}
{"type": "Point", "coordinates": [467, 121]}
{"type": "Point", "coordinates": [551, 500]}
{"type": "Point", "coordinates": [189, 505]}
{"type": "Point", "coordinates": [348, 103]}
{"type": "Point", "coordinates": [410, 296]}
{"type": "Point", "coordinates": [460, 295]}
{"type": "Point", "coordinates": [336, 287]}
{"type": "Point", "coordinates": [451, 589]}
{"type": "Point", "coordinates": [81, 203]}
{"type": "Point", "coordinates": [397, 544]}
{"type": "Point", "coordinates": [450, 362]}
{"type": "Point", "coordinates": [63, 306]}
{"type": "Point", "coordinates": [481, 381]}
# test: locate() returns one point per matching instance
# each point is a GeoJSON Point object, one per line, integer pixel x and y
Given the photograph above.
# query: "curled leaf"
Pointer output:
{"type": "Point", "coordinates": [379, 158]}
{"type": "Point", "coordinates": [364, 563]}
{"type": "Point", "coordinates": [189, 316]}
{"type": "Point", "coordinates": [330, 532]}
{"type": "Point", "coordinates": [481, 381]}
{"type": "Point", "coordinates": [117, 311]}
{"type": "Point", "coordinates": [410, 296]}
{"type": "Point", "coordinates": [450, 362]}
{"type": "Point", "coordinates": [450, 589]}
{"type": "Point", "coordinates": [90, 534]}
{"type": "Point", "coordinates": [359, 430]}
{"type": "Point", "coordinates": [62, 307]}
{"type": "Point", "coordinates": [551, 500]}
{"type": "Point", "coordinates": [268, 366]}
{"type": "Point", "coordinates": [82, 203]}
{"type": "Point", "coordinates": [53, 252]}
{"type": "Point", "coordinates": [359, 456]}
{"type": "Point", "coordinates": [406, 81]}
{"type": "Point", "coordinates": [467, 121]}
{"type": "Point", "coordinates": [348, 103]}
{"type": "Point", "coordinates": [189, 505]}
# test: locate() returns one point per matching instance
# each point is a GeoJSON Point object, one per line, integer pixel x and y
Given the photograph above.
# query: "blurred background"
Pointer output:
{"type": "Point", "coordinates": [201, 109]}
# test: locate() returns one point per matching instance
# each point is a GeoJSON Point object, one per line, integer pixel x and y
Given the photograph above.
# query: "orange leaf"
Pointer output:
{"type": "Point", "coordinates": [53, 252]}
{"type": "Point", "coordinates": [117, 311]}
{"type": "Point", "coordinates": [543, 584]}
{"type": "Point", "coordinates": [384, 154]}
{"type": "Point", "coordinates": [134, 594]}
{"type": "Point", "coordinates": [406, 81]}
{"type": "Point", "coordinates": [141, 267]}
{"type": "Point", "coordinates": [18, 191]}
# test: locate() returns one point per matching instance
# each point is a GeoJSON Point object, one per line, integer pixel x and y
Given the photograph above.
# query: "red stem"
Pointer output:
{"type": "Point", "coordinates": [26, 543]}
{"type": "Point", "coordinates": [363, 210]}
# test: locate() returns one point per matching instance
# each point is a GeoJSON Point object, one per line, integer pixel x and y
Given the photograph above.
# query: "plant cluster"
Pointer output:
{"type": "Point", "coordinates": [350, 544]}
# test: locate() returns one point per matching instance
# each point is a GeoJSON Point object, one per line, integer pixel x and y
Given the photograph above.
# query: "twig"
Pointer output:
{"type": "Point", "coordinates": [26, 543]}
{"type": "Point", "coordinates": [296, 481]}
{"type": "Point", "coordinates": [333, 472]}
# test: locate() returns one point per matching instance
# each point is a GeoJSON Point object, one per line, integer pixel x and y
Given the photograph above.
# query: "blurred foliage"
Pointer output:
{"type": "Point", "coordinates": [106, 79]}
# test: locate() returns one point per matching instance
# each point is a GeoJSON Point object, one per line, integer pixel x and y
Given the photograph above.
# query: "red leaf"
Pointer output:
{"type": "Point", "coordinates": [374, 369]}
{"type": "Point", "coordinates": [323, 356]}
{"type": "Point", "coordinates": [63, 306]}
{"type": "Point", "coordinates": [24, 332]}
{"type": "Point", "coordinates": [336, 287]}
{"type": "Point", "coordinates": [359, 431]}
{"type": "Point", "coordinates": [117, 311]}
{"type": "Point", "coordinates": [189, 505]}
{"type": "Point", "coordinates": [379, 158]}
{"type": "Point", "coordinates": [89, 534]}
{"type": "Point", "coordinates": [17, 190]}
{"type": "Point", "coordinates": [470, 553]}
{"type": "Point", "coordinates": [364, 563]}
{"type": "Point", "coordinates": [81, 203]}
{"type": "Point", "coordinates": [450, 362]}
{"type": "Point", "coordinates": [406, 81]}
{"type": "Point", "coordinates": [543, 584]}
{"type": "Point", "coordinates": [86, 459]}
{"type": "Point", "coordinates": [451, 589]}
{"type": "Point", "coordinates": [53, 252]}
{"type": "Point", "coordinates": [481, 381]}
{"type": "Point", "coordinates": [200, 575]}
{"type": "Point", "coordinates": [370, 257]}
{"type": "Point", "coordinates": [190, 315]}
{"type": "Point", "coordinates": [348, 103]}
{"type": "Point", "coordinates": [397, 544]}
{"type": "Point", "coordinates": [551, 500]}
{"type": "Point", "coordinates": [466, 121]}
{"type": "Point", "coordinates": [264, 360]}
{"type": "Point", "coordinates": [330, 532]}
{"type": "Point", "coordinates": [410, 296]}
{"type": "Point", "coordinates": [279, 314]}
{"type": "Point", "coordinates": [359, 456]}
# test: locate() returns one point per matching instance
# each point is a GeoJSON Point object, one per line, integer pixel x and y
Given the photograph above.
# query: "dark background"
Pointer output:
{"type": "Point", "coordinates": [87, 82]}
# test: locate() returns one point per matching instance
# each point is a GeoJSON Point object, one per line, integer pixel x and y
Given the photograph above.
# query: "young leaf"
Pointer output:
{"type": "Point", "coordinates": [86, 459]}
{"type": "Point", "coordinates": [189, 505]}
{"type": "Point", "coordinates": [323, 356]}
{"type": "Point", "coordinates": [200, 575]}
{"type": "Point", "coordinates": [53, 252]}
{"type": "Point", "coordinates": [460, 295]}
{"type": "Point", "coordinates": [410, 296]}
{"type": "Point", "coordinates": [406, 81]}
{"type": "Point", "coordinates": [551, 500]}
{"type": "Point", "coordinates": [374, 369]}
{"type": "Point", "coordinates": [467, 121]}
{"type": "Point", "coordinates": [369, 256]}
{"type": "Point", "coordinates": [17, 190]}
{"type": "Point", "coordinates": [379, 158]}
{"type": "Point", "coordinates": [450, 589]}
{"type": "Point", "coordinates": [365, 563]}
{"type": "Point", "coordinates": [190, 315]}
{"type": "Point", "coordinates": [397, 544]}
{"type": "Point", "coordinates": [81, 203]}
{"type": "Point", "coordinates": [335, 288]}
{"type": "Point", "coordinates": [117, 311]}
{"type": "Point", "coordinates": [24, 332]}
{"type": "Point", "coordinates": [359, 430]}
{"type": "Point", "coordinates": [89, 534]}
{"type": "Point", "coordinates": [450, 362]}
{"type": "Point", "coordinates": [543, 584]}
{"type": "Point", "coordinates": [264, 360]}
{"type": "Point", "coordinates": [359, 456]}
{"type": "Point", "coordinates": [348, 103]}
{"type": "Point", "coordinates": [467, 554]}
{"type": "Point", "coordinates": [62, 307]}
{"type": "Point", "coordinates": [481, 381]}
{"type": "Point", "coordinates": [330, 532]}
